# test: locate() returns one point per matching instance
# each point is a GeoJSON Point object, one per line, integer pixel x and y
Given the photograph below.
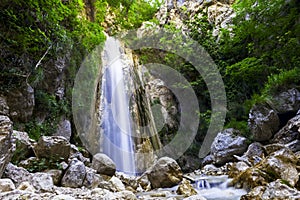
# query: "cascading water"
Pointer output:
{"type": "Point", "coordinates": [123, 110]}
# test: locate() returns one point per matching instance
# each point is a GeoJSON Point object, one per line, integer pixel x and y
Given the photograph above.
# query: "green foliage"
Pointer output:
{"type": "Point", "coordinates": [43, 164]}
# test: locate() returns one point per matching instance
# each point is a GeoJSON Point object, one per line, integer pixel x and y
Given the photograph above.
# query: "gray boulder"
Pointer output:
{"type": "Point", "coordinates": [165, 173]}
{"type": "Point", "coordinates": [42, 182]}
{"type": "Point", "coordinates": [53, 147]}
{"type": "Point", "coordinates": [64, 129]}
{"type": "Point", "coordinates": [263, 123]}
{"type": "Point", "coordinates": [24, 146]}
{"type": "Point", "coordinates": [103, 164]}
{"type": "Point", "coordinates": [288, 101]}
{"type": "Point", "coordinates": [6, 146]}
{"type": "Point", "coordinates": [227, 144]}
{"type": "Point", "coordinates": [17, 174]}
{"type": "Point", "coordinates": [74, 175]}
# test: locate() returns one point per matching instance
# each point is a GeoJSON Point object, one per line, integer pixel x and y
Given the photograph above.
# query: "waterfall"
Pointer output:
{"type": "Point", "coordinates": [125, 117]}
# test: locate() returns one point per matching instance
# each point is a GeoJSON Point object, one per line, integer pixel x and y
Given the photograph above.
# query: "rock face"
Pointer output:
{"type": "Point", "coordinates": [64, 129]}
{"type": "Point", "coordinates": [4, 109]}
{"type": "Point", "coordinates": [263, 123]}
{"type": "Point", "coordinates": [21, 102]}
{"type": "Point", "coordinates": [6, 147]}
{"type": "Point", "coordinates": [165, 173]}
{"type": "Point", "coordinates": [103, 164]}
{"type": "Point", "coordinates": [52, 147]}
{"type": "Point", "coordinates": [226, 145]}
{"type": "Point", "coordinates": [74, 175]}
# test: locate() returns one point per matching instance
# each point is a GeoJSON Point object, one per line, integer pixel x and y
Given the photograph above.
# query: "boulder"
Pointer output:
{"type": "Point", "coordinates": [42, 182]}
{"type": "Point", "coordinates": [17, 174]}
{"type": "Point", "coordinates": [103, 164]}
{"type": "Point", "coordinates": [237, 168]}
{"type": "Point", "coordinates": [64, 129]}
{"type": "Point", "coordinates": [288, 101]}
{"type": "Point", "coordinates": [52, 147]}
{"type": "Point", "coordinates": [116, 184]}
{"type": "Point", "coordinates": [24, 146]}
{"type": "Point", "coordinates": [74, 175]}
{"type": "Point", "coordinates": [6, 145]}
{"type": "Point", "coordinates": [92, 179]}
{"type": "Point", "coordinates": [186, 189]}
{"type": "Point", "coordinates": [263, 122]}
{"type": "Point", "coordinates": [274, 190]}
{"type": "Point", "coordinates": [6, 185]}
{"type": "Point", "coordinates": [165, 173]}
{"type": "Point", "coordinates": [227, 144]}
{"type": "Point", "coordinates": [56, 175]}
{"type": "Point", "coordinates": [281, 165]}
{"type": "Point", "coordinates": [289, 132]}
{"type": "Point", "coordinates": [255, 153]}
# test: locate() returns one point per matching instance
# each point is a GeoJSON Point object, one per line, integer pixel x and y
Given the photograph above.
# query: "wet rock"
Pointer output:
{"type": "Point", "coordinates": [289, 132]}
{"type": "Point", "coordinates": [42, 182]}
{"type": "Point", "coordinates": [53, 147]}
{"type": "Point", "coordinates": [165, 173]}
{"type": "Point", "coordinates": [6, 145]}
{"type": "Point", "coordinates": [281, 164]}
{"type": "Point", "coordinates": [17, 174]}
{"type": "Point", "coordinates": [21, 103]}
{"type": "Point", "coordinates": [227, 144]}
{"type": "Point", "coordinates": [263, 122]}
{"type": "Point", "coordinates": [103, 164]}
{"type": "Point", "coordinates": [186, 189]}
{"type": "Point", "coordinates": [237, 168]}
{"type": "Point", "coordinates": [24, 146]}
{"type": "Point", "coordinates": [74, 175]}
{"type": "Point", "coordinates": [274, 190]}
{"type": "Point", "coordinates": [92, 179]}
{"type": "Point", "coordinates": [6, 185]}
{"type": "Point", "coordinates": [64, 129]}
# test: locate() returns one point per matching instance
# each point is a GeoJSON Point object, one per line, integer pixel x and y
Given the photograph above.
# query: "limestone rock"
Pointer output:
{"type": "Point", "coordinates": [6, 185]}
{"type": "Point", "coordinates": [24, 146]}
{"type": "Point", "coordinates": [237, 168]}
{"type": "Point", "coordinates": [53, 147]}
{"type": "Point", "coordinates": [21, 103]}
{"type": "Point", "coordinates": [103, 164]}
{"type": "Point", "coordinates": [254, 154]}
{"type": "Point", "coordinates": [281, 164]}
{"type": "Point", "coordinates": [92, 179]}
{"type": "Point", "coordinates": [288, 101]}
{"type": "Point", "coordinates": [117, 184]}
{"type": "Point", "coordinates": [263, 123]}
{"type": "Point", "coordinates": [64, 129]}
{"type": "Point", "coordinates": [42, 182]}
{"type": "Point", "coordinates": [165, 173]}
{"type": "Point", "coordinates": [289, 132]}
{"type": "Point", "coordinates": [63, 197]}
{"type": "Point", "coordinates": [6, 146]}
{"type": "Point", "coordinates": [274, 190]}
{"type": "Point", "coordinates": [186, 189]}
{"type": "Point", "coordinates": [17, 174]}
{"type": "Point", "coordinates": [195, 197]}
{"type": "Point", "coordinates": [56, 175]}
{"type": "Point", "coordinates": [74, 175]}
{"type": "Point", "coordinates": [226, 144]}
{"type": "Point", "coordinates": [26, 186]}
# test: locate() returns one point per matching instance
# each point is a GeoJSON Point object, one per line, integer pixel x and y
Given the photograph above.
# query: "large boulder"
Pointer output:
{"type": "Point", "coordinates": [6, 146]}
{"type": "Point", "coordinates": [288, 101]}
{"type": "Point", "coordinates": [263, 122]}
{"type": "Point", "coordinates": [227, 144]}
{"type": "Point", "coordinates": [165, 173]}
{"type": "Point", "coordinates": [17, 174]}
{"type": "Point", "coordinates": [24, 146]}
{"type": "Point", "coordinates": [289, 132]}
{"type": "Point", "coordinates": [42, 182]}
{"type": "Point", "coordinates": [74, 175]}
{"type": "Point", "coordinates": [53, 147]}
{"type": "Point", "coordinates": [103, 164]}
